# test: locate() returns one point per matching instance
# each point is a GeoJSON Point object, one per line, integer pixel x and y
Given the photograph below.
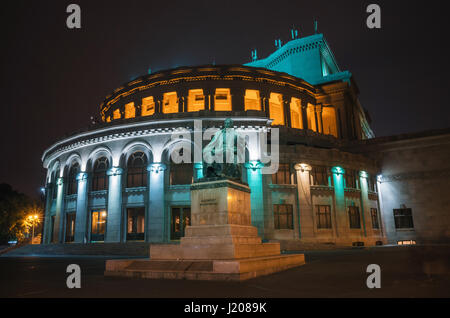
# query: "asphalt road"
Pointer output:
{"type": "Point", "coordinates": [420, 271]}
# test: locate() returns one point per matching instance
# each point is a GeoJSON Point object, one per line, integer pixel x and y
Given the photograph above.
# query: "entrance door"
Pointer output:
{"type": "Point", "coordinates": [98, 225]}
{"type": "Point", "coordinates": [181, 217]}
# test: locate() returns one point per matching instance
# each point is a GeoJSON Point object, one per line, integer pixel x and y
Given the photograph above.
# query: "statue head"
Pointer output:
{"type": "Point", "coordinates": [228, 123]}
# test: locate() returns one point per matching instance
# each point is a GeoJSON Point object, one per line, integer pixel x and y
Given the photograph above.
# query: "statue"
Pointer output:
{"type": "Point", "coordinates": [218, 149]}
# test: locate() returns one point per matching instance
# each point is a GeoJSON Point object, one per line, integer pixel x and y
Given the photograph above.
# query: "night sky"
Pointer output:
{"type": "Point", "coordinates": [53, 78]}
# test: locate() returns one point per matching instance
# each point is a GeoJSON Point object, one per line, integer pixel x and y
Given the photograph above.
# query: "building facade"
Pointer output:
{"type": "Point", "coordinates": [116, 182]}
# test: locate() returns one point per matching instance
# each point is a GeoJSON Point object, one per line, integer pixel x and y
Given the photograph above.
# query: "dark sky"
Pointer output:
{"type": "Point", "coordinates": [53, 79]}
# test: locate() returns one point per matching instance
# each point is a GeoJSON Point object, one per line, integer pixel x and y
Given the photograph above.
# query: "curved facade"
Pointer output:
{"type": "Point", "coordinates": [116, 182]}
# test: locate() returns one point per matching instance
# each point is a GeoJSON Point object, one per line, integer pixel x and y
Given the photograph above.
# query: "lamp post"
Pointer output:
{"type": "Point", "coordinates": [33, 219]}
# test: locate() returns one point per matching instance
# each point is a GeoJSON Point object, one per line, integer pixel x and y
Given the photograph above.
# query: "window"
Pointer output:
{"type": "Point", "coordinates": [54, 186]}
{"type": "Point", "coordinates": [252, 100]}
{"type": "Point", "coordinates": [116, 114]}
{"type": "Point", "coordinates": [403, 218]}
{"type": "Point", "coordinates": [222, 99]}
{"type": "Point", "coordinates": [319, 175]}
{"type": "Point", "coordinates": [350, 178]}
{"type": "Point", "coordinates": [374, 216]}
{"type": "Point", "coordinates": [329, 121]}
{"type": "Point", "coordinates": [70, 227]}
{"type": "Point", "coordinates": [372, 183]}
{"type": "Point", "coordinates": [99, 177]}
{"type": "Point", "coordinates": [72, 183]}
{"type": "Point", "coordinates": [276, 109]}
{"type": "Point", "coordinates": [180, 218]}
{"type": "Point", "coordinates": [148, 106]}
{"type": "Point", "coordinates": [311, 117]}
{"type": "Point", "coordinates": [170, 103]}
{"type": "Point", "coordinates": [353, 215]}
{"type": "Point", "coordinates": [98, 225]}
{"type": "Point", "coordinates": [296, 113]}
{"type": "Point", "coordinates": [135, 224]}
{"type": "Point", "coordinates": [130, 110]}
{"type": "Point", "coordinates": [323, 217]}
{"type": "Point", "coordinates": [196, 100]}
{"type": "Point", "coordinates": [282, 214]}
{"type": "Point", "coordinates": [137, 170]}
{"type": "Point", "coordinates": [181, 173]}
{"type": "Point", "coordinates": [283, 175]}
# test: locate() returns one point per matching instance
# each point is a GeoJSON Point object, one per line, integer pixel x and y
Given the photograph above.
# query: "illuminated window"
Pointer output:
{"type": "Point", "coordinates": [329, 121]}
{"type": "Point", "coordinates": [403, 218]}
{"type": "Point", "coordinates": [311, 114]}
{"type": "Point", "coordinates": [116, 114]}
{"type": "Point", "coordinates": [108, 119]}
{"type": "Point", "coordinates": [99, 177]}
{"type": "Point", "coordinates": [354, 217]}
{"type": "Point", "coordinates": [252, 100]}
{"type": "Point", "coordinates": [323, 216]}
{"type": "Point", "coordinates": [148, 106]}
{"type": "Point", "coordinates": [282, 216]}
{"type": "Point", "coordinates": [170, 103]}
{"type": "Point", "coordinates": [222, 99]}
{"type": "Point", "coordinates": [196, 100]}
{"type": "Point", "coordinates": [130, 110]}
{"type": "Point", "coordinates": [72, 185]}
{"type": "Point", "coordinates": [98, 225]}
{"type": "Point", "coordinates": [137, 170]}
{"type": "Point", "coordinates": [283, 175]}
{"type": "Point", "coordinates": [135, 224]}
{"type": "Point", "coordinates": [296, 113]}
{"type": "Point", "coordinates": [276, 109]}
{"type": "Point", "coordinates": [374, 216]}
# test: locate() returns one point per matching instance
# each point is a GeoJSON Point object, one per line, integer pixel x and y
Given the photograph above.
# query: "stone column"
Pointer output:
{"type": "Point", "coordinates": [318, 115]}
{"type": "Point", "coordinates": [287, 111]}
{"type": "Point", "coordinates": [47, 217]}
{"type": "Point", "coordinates": [255, 182]}
{"type": "Point", "coordinates": [82, 213]}
{"type": "Point", "coordinates": [339, 201]}
{"type": "Point", "coordinates": [59, 216]}
{"type": "Point", "coordinates": [303, 109]}
{"type": "Point", "coordinates": [306, 209]}
{"type": "Point", "coordinates": [114, 217]}
{"type": "Point", "coordinates": [155, 220]}
{"type": "Point", "coordinates": [365, 204]}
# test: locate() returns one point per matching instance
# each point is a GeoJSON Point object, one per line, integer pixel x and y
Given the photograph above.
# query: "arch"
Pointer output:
{"type": "Point", "coordinates": [133, 147]}
{"type": "Point", "coordinates": [52, 172]}
{"type": "Point", "coordinates": [99, 152]}
{"type": "Point", "coordinates": [169, 147]}
{"type": "Point", "coordinates": [69, 161]}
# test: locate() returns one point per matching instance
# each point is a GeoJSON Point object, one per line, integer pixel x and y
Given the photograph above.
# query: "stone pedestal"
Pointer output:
{"type": "Point", "coordinates": [220, 243]}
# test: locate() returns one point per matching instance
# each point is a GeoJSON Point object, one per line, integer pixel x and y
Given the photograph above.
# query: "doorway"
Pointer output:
{"type": "Point", "coordinates": [180, 218]}
{"type": "Point", "coordinates": [98, 225]}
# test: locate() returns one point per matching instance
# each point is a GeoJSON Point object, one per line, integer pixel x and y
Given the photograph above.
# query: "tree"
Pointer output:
{"type": "Point", "coordinates": [15, 208]}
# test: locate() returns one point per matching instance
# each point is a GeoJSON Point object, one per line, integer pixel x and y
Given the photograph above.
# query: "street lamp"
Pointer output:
{"type": "Point", "coordinates": [33, 219]}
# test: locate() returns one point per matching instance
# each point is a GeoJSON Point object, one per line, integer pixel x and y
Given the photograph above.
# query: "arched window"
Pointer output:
{"type": "Point", "coordinates": [54, 185]}
{"type": "Point", "coordinates": [99, 177]}
{"type": "Point", "coordinates": [137, 170]}
{"type": "Point", "coordinates": [276, 109]}
{"type": "Point", "coordinates": [72, 183]}
{"type": "Point", "coordinates": [130, 110]}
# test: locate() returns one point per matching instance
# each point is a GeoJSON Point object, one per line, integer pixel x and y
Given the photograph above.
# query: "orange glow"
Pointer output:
{"type": "Point", "coordinates": [222, 99]}
{"type": "Point", "coordinates": [296, 113]}
{"type": "Point", "coordinates": [196, 100]}
{"type": "Point", "coordinates": [108, 119]}
{"type": "Point", "coordinates": [329, 121]}
{"type": "Point", "coordinates": [116, 114]}
{"type": "Point", "coordinates": [276, 109]}
{"type": "Point", "coordinates": [252, 100]}
{"type": "Point", "coordinates": [170, 103]}
{"type": "Point", "coordinates": [148, 106]}
{"type": "Point", "coordinates": [311, 113]}
{"type": "Point", "coordinates": [130, 110]}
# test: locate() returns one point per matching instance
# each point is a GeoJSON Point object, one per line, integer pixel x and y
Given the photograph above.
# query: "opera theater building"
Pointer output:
{"type": "Point", "coordinates": [336, 184]}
